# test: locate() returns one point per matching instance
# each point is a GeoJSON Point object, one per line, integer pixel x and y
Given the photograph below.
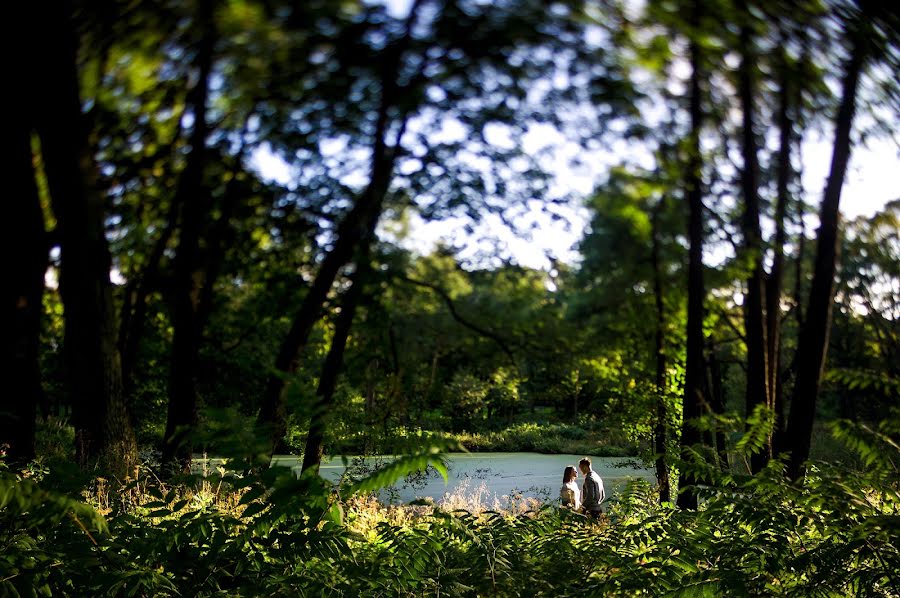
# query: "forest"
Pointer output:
{"type": "Point", "coordinates": [269, 261]}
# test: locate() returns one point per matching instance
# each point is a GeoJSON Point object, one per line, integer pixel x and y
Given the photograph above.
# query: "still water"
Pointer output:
{"type": "Point", "coordinates": [492, 475]}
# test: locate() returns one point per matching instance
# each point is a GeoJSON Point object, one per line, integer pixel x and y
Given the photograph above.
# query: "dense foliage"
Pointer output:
{"type": "Point", "coordinates": [245, 228]}
{"type": "Point", "coordinates": [833, 534]}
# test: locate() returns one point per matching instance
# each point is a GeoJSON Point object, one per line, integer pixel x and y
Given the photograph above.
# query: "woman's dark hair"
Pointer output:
{"type": "Point", "coordinates": [569, 474]}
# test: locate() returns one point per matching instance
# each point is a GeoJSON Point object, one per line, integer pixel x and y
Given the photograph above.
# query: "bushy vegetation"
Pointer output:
{"type": "Point", "coordinates": [552, 439]}
{"type": "Point", "coordinates": [587, 438]}
{"type": "Point", "coordinates": [832, 533]}
{"type": "Point", "coordinates": [348, 227]}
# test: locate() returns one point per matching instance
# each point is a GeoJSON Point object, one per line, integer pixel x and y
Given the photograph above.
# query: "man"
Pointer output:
{"type": "Point", "coordinates": [592, 492]}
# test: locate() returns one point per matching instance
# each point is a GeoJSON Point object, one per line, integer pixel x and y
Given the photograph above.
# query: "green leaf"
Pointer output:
{"type": "Point", "coordinates": [254, 509]}
{"type": "Point", "coordinates": [405, 465]}
{"type": "Point", "coordinates": [251, 495]}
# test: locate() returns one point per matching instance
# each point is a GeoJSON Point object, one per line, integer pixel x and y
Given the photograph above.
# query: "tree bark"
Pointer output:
{"type": "Point", "coordinates": [312, 454]}
{"type": "Point", "coordinates": [757, 389]}
{"type": "Point", "coordinates": [660, 429]}
{"type": "Point", "coordinates": [103, 431]}
{"type": "Point", "coordinates": [24, 249]}
{"type": "Point", "coordinates": [190, 277]}
{"type": "Point", "coordinates": [776, 275]}
{"type": "Point", "coordinates": [813, 342]}
{"type": "Point", "coordinates": [695, 370]}
{"type": "Point", "coordinates": [717, 403]}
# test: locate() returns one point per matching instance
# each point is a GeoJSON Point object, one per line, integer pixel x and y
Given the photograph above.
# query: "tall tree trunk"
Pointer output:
{"type": "Point", "coordinates": [798, 264]}
{"type": "Point", "coordinates": [24, 249]}
{"type": "Point", "coordinates": [352, 230]}
{"type": "Point", "coordinates": [695, 369]}
{"type": "Point", "coordinates": [717, 403]}
{"type": "Point", "coordinates": [813, 342]}
{"type": "Point", "coordinates": [312, 455]}
{"type": "Point", "coordinates": [757, 390]}
{"type": "Point", "coordinates": [192, 195]}
{"type": "Point", "coordinates": [660, 429]}
{"type": "Point", "coordinates": [363, 216]}
{"type": "Point", "coordinates": [776, 276]}
{"type": "Point", "coordinates": [143, 281]}
{"type": "Point", "coordinates": [102, 426]}
{"type": "Point", "coordinates": [134, 307]}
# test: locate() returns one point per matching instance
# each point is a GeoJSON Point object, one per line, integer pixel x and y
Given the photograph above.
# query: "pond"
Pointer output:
{"type": "Point", "coordinates": [487, 477]}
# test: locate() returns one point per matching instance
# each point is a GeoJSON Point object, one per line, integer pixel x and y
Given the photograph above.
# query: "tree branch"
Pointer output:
{"type": "Point", "coordinates": [451, 307]}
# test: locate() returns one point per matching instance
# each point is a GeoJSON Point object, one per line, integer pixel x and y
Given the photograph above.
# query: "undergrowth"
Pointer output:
{"type": "Point", "coordinates": [831, 534]}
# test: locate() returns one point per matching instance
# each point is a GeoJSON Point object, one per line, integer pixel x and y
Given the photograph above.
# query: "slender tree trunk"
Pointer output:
{"type": "Point", "coordinates": [798, 264]}
{"type": "Point", "coordinates": [134, 308]}
{"type": "Point", "coordinates": [24, 249]}
{"type": "Point", "coordinates": [757, 390]}
{"type": "Point", "coordinates": [660, 433]}
{"type": "Point", "coordinates": [813, 342]}
{"type": "Point", "coordinates": [695, 369]}
{"type": "Point", "coordinates": [141, 283]}
{"type": "Point", "coordinates": [189, 276]}
{"type": "Point", "coordinates": [102, 426]}
{"type": "Point", "coordinates": [221, 233]}
{"type": "Point", "coordinates": [352, 231]}
{"type": "Point", "coordinates": [776, 276]}
{"type": "Point", "coordinates": [717, 403]}
{"type": "Point", "coordinates": [312, 455]}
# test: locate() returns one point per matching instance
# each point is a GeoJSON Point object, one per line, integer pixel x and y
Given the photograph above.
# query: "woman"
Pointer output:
{"type": "Point", "coordinates": [570, 494]}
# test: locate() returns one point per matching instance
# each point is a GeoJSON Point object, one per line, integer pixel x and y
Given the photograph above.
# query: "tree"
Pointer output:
{"type": "Point", "coordinates": [758, 388]}
{"type": "Point", "coordinates": [463, 64]}
{"type": "Point", "coordinates": [774, 281]}
{"type": "Point", "coordinates": [312, 454]}
{"type": "Point", "coordinates": [102, 424]}
{"type": "Point", "coordinates": [660, 432]}
{"type": "Point", "coordinates": [355, 228]}
{"type": "Point", "coordinates": [694, 367]}
{"type": "Point", "coordinates": [190, 281]}
{"type": "Point", "coordinates": [813, 341]}
{"type": "Point", "coordinates": [25, 249]}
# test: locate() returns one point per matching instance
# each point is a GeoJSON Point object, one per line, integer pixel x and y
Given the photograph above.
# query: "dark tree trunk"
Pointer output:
{"type": "Point", "coordinates": [189, 276]}
{"type": "Point", "coordinates": [660, 432]}
{"type": "Point", "coordinates": [352, 230]}
{"type": "Point", "coordinates": [312, 454]}
{"type": "Point", "coordinates": [717, 403]}
{"type": "Point", "coordinates": [776, 276]}
{"type": "Point", "coordinates": [757, 390]}
{"type": "Point", "coordinates": [134, 308]}
{"type": "Point", "coordinates": [24, 249]}
{"type": "Point", "coordinates": [217, 242]}
{"type": "Point", "coordinates": [102, 426]}
{"type": "Point", "coordinates": [798, 264]}
{"type": "Point", "coordinates": [143, 282]}
{"type": "Point", "coordinates": [355, 227]}
{"type": "Point", "coordinates": [695, 369]}
{"type": "Point", "coordinates": [813, 342]}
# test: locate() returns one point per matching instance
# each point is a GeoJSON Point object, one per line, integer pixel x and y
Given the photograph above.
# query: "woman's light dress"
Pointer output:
{"type": "Point", "coordinates": [570, 495]}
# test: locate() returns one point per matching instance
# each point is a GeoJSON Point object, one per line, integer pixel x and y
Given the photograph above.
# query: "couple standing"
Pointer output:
{"type": "Point", "coordinates": [588, 498]}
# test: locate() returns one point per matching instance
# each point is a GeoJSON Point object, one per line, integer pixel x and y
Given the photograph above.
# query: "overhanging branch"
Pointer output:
{"type": "Point", "coordinates": [451, 307]}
